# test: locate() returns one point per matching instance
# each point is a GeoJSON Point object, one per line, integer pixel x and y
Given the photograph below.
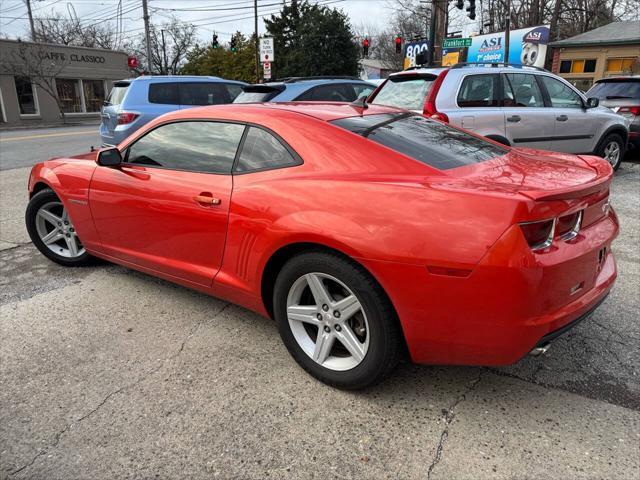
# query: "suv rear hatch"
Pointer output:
{"type": "Point", "coordinates": [111, 107]}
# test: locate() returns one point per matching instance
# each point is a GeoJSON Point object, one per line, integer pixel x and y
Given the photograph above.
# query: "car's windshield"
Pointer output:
{"type": "Point", "coordinates": [407, 92]}
{"type": "Point", "coordinates": [117, 93]}
{"type": "Point", "coordinates": [425, 140]}
{"type": "Point", "coordinates": [611, 90]}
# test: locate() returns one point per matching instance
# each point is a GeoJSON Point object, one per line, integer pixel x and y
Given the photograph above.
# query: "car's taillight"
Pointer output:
{"type": "Point", "coordinates": [126, 117]}
{"type": "Point", "coordinates": [632, 113]}
{"type": "Point", "coordinates": [430, 102]}
{"type": "Point", "coordinates": [539, 235]}
{"type": "Point", "coordinates": [567, 226]}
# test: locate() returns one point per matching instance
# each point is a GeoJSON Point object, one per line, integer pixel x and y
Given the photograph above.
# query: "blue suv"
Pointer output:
{"type": "Point", "coordinates": [135, 102]}
{"type": "Point", "coordinates": [299, 89]}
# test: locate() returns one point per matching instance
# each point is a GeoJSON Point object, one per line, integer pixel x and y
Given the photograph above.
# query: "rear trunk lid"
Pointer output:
{"type": "Point", "coordinates": [111, 107]}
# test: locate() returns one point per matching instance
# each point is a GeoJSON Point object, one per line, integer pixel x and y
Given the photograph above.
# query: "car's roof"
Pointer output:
{"type": "Point", "coordinates": [326, 111]}
{"type": "Point", "coordinates": [620, 78]}
{"type": "Point", "coordinates": [178, 78]}
{"type": "Point", "coordinates": [470, 68]}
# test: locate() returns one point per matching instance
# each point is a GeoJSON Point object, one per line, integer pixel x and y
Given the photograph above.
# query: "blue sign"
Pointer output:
{"type": "Point", "coordinates": [527, 46]}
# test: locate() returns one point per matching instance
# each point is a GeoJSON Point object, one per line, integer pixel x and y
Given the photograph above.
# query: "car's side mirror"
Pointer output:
{"type": "Point", "coordinates": [592, 102]}
{"type": "Point", "coordinates": [109, 157]}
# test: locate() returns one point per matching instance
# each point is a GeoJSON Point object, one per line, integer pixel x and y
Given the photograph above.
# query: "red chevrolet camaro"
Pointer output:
{"type": "Point", "coordinates": [366, 232]}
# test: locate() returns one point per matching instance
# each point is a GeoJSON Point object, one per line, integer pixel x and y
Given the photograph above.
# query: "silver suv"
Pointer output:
{"type": "Point", "coordinates": [513, 105]}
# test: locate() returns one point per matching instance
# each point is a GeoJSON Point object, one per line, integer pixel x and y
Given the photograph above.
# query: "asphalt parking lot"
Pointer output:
{"type": "Point", "coordinates": [108, 373]}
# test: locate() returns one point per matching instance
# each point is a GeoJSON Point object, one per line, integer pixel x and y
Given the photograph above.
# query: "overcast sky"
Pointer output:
{"type": "Point", "coordinates": [230, 16]}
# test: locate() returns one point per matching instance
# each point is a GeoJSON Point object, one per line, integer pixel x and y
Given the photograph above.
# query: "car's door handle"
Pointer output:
{"type": "Point", "coordinates": [562, 118]}
{"type": "Point", "coordinates": [207, 200]}
{"type": "Point", "coordinates": [514, 118]}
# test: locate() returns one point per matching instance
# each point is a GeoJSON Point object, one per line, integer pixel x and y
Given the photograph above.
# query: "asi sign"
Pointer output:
{"type": "Point", "coordinates": [527, 46]}
{"type": "Point", "coordinates": [267, 53]}
{"type": "Point", "coordinates": [456, 43]}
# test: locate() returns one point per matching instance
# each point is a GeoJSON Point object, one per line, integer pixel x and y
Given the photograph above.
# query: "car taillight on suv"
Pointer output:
{"type": "Point", "coordinates": [632, 113]}
{"type": "Point", "coordinates": [430, 109]}
{"type": "Point", "coordinates": [125, 118]}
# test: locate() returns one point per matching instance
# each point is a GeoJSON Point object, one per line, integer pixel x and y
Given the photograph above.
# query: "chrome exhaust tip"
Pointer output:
{"type": "Point", "coordinates": [536, 352]}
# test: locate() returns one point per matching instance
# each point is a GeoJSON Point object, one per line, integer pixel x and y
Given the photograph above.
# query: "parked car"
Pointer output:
{"type": "Point", "coordinates": [134, 102]}
{"type": "Point", "coordinates": [365, 232]}
{"type": "Point", "coordinates": [622, 95]}
{"type": "Point", "coordinates": [317, 89]}
{"type": "Point", "coordinates": [518, 106]}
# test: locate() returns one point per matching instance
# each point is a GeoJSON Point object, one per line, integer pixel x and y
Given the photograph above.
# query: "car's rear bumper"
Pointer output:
{"type": "Point", "coordinates": [506, 306]}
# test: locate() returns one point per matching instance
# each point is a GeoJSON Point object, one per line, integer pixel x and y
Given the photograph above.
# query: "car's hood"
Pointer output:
{"type": "Point", "coordinates": [535, 174]}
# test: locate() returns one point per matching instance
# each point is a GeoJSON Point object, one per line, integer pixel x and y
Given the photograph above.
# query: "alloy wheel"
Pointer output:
{"type": "Point", "coordinates": [327, 321]}
{"type": "Point", "coordinates": [612, 153]}
{"type": "Point", "coordinates": [56, 231]}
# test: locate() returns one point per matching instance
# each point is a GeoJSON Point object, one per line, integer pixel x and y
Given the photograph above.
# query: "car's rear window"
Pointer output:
{"type": "Point", "coordinates": [117, 93]}
{"type": "Point", "coordinates": [257, 94]}
{"type": "Point", "coordinates": [425, 140]}
{"type": "Point", "coordinates": [616, 89]}
{"type": "Point", "coordinates": [405, 91]}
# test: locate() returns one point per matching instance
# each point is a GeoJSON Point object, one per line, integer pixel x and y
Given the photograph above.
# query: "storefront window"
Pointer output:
{"type": "Point", "coordinates": [578, 66]}
{"type": "Point", "coordinates": [93, 94]}
{"type": "Point", "coordinates": [26, 96]}
{"type": "Point", "coordinates": [620, 64]}
{"type": "Point", "coordinates": [69, 94]}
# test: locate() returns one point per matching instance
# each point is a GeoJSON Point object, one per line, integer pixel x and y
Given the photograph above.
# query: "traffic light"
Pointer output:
{"type": "Point", "coordinates": [460, 4]}
{"type": "Point", "coordinates": [214, 41]}
{"type": "Point", "coordinates": [233, 45]}
{"type": "Point", "coordinates": [398, 44]}
{"type": "Point", "coordinates": [365, 47]}
{"type": "Point", "coordinates": [471, 9]}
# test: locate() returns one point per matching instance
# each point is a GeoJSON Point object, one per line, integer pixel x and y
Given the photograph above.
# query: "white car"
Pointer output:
{"type": "Point", "coordinates": [514, 105]}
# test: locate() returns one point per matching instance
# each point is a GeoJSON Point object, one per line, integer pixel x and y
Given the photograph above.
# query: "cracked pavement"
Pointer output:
{"type": "Point", "coordinates": [109, 373]}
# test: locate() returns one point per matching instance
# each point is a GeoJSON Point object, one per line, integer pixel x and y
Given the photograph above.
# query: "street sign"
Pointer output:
{"type": "Point", "coordinates": [266, 50]}
{"type": "Point", "coordinates": [456, 43]}
{"type": "Point", "coordinates": [266, 70]}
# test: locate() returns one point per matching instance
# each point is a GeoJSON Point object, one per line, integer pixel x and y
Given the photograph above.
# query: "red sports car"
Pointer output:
{"type": "Point", "coordinates": [366, 232]}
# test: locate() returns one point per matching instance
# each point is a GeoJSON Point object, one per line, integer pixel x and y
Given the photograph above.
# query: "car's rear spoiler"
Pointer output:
{"type": "Point", "coordinates": [599, 184]}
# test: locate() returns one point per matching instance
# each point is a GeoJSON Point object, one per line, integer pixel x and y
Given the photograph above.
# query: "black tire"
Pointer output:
{"type": "Point", "coordinates": [42, 197]}
{"type": "Point", "coordinates": [385, 340]}
{"type": "Point", "coordinates": [612, 137]}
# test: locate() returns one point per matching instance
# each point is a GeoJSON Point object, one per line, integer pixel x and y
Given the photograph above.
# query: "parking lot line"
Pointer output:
{"type": "Point", "coordinates": [44, 135]}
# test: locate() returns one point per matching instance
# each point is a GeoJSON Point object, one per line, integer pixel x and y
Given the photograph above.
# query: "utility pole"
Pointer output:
{"type": "Point", "coordinates": [165, 67]}
{"type": "Point", "coordinates": [437, 30]}
{"type": "Point", "coordinates": [147, 35]}
{"type": "Point", "coordinates": [255, 18]}
{"type": "Point", "coordinates": [31, 24]}
{"type": "Point", "coordinates": [507, 33]}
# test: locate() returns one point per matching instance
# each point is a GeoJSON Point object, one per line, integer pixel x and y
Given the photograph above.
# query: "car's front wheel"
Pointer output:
{"type": "Point", "coordinates": [52, 231]}
{"type": "Point", "coordinates": [612, 148]}
{"type": "Point", "coordinates": [336, 321]}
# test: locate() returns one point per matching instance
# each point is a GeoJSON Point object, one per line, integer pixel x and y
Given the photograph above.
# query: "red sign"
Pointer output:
{"type": "Point", "coordinates": [132, 62]}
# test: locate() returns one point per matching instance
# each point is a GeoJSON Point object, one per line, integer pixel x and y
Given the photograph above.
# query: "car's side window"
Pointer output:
{"type": "Point", "coordinates": [164, 93]}
{"type": "Point", "coordinates": [561, 95]}
{"type": "Point", "coordinates": [196, 146]}
{"type": "Point", "coordinates": [521, 90]}
{"type": "Point", "coordinates": [203, 93]}
{"type": "Point", "coordinates": [479, 91]}
{"type": "Point", "coordinates": [261, 150]}
{"type": "Point", "coordinates": [330, 93]}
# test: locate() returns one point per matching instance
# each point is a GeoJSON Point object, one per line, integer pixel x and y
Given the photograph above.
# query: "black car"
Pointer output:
{"type": "Point", "coordinates": [622, 95]}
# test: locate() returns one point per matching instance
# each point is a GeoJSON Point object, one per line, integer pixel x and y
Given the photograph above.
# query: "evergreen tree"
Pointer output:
{"type": "Point", "coordinates": [222, 62]}
{"type": "Point", "coordinates": [312, 40]}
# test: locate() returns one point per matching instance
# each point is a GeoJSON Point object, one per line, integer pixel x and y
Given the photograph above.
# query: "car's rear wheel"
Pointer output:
{"type": "Point", "coordinates": [336, 321]}
{"type": "Point", "coordinates": [611, 148]}
{"type": "Point", "coordinates": [52, 231]}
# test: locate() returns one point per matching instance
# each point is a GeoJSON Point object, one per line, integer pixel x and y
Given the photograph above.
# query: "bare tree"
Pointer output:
{"type": "Point", "coordinates": [40, 65]}
{"type": "Point", "coordinates": [55, 28]}
{"type": "Point", "coordinates": [170, 44]}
